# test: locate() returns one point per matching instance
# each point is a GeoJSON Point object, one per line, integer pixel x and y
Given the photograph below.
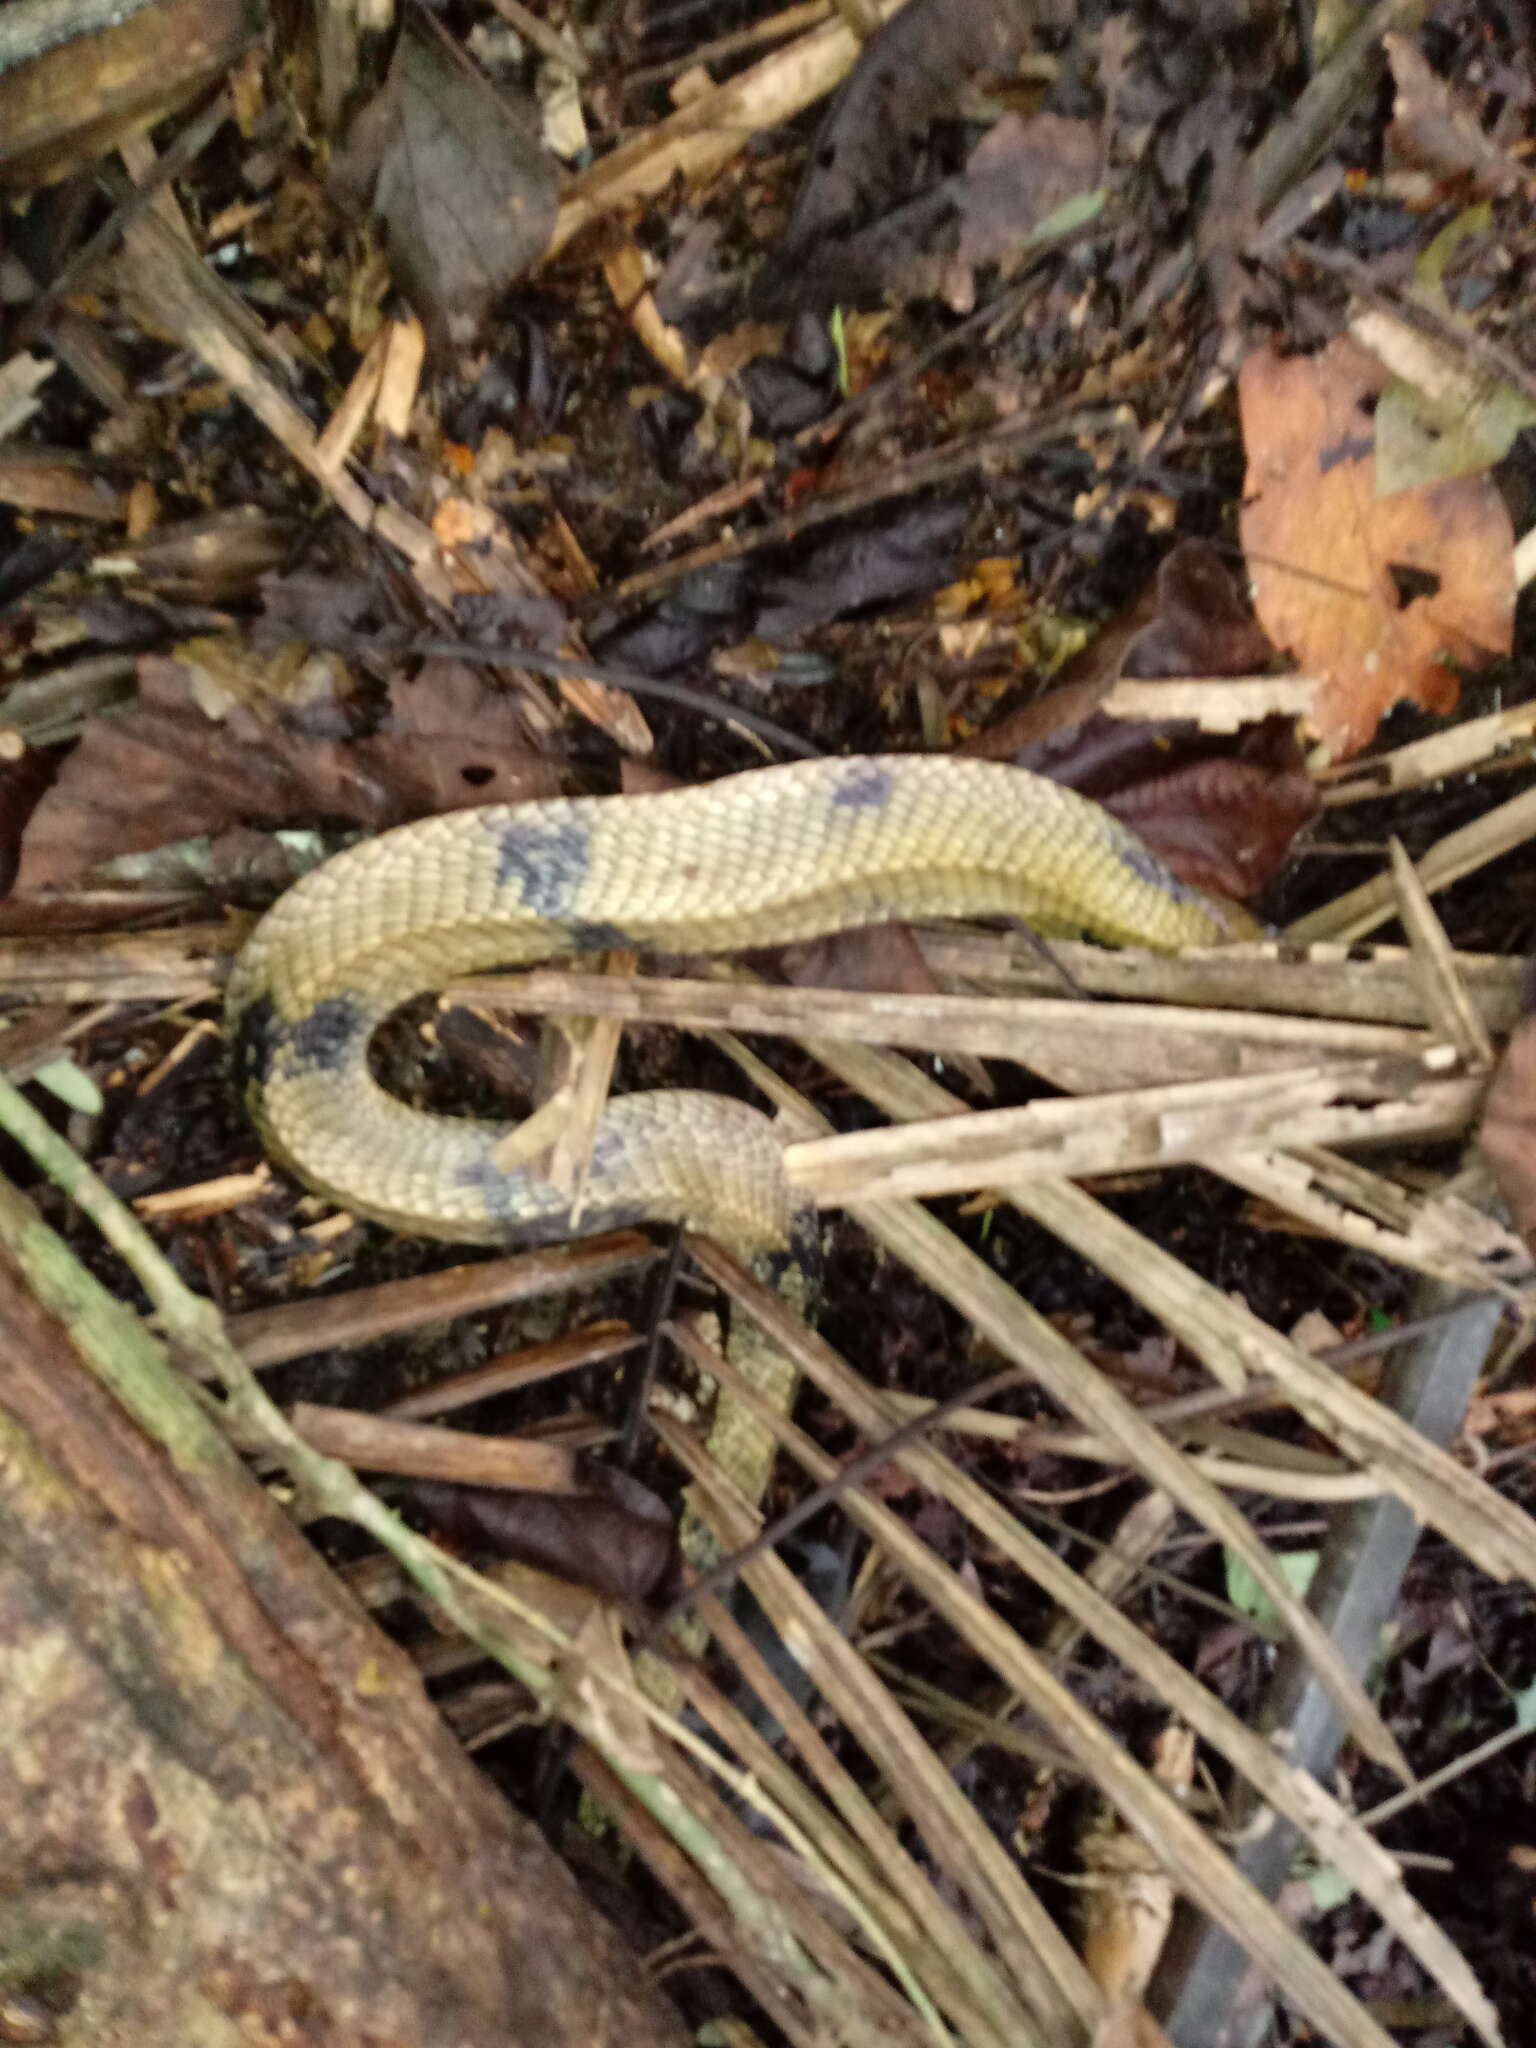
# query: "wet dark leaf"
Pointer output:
{"type": "Point", "coordinates": [517, 618]}
{"type": "Point", "coordinates": [30, 561]}
{"type": "Point", "coordinates": [909, 555]}
{"type": "Point", "coordinates": [1017, 175]}
{"type": "Point", "coordinates": [22, 782]}
{"type": "Point", "coordinates": [618, 1539]}
{"type": "Point", "coordinates": [706, 607]}
{"type": "Point", "coordinates": [466, 188]}
{"type": "Point", "coordinates": [1223, 825]}
{"type": "Point", "coordinates": [785, 399]}
{"type": "Point", "coordinates": [1021, 176]}
{"type": "Point", "coordinates": [1221, 809]}
{"type": "Point", "coordinates": [880, 958]}
{"type": "Point", "coordinates": [906, 75]}
{"type": "Point", "coordinates": [311, 605]}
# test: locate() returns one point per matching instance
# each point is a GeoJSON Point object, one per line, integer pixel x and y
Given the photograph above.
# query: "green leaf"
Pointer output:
{"type": "Point", "coordinates": [1072, 213]}
{"type": "Point", "coordinates": [839, 336]}
{"type": "Point", "coordinates": [1329, 1887]}
{"type": "Point", "coordinates": [1249, 1597]}
{"type": "Point", "coordinates": [1442, 415]}
{"type": "Point", "coordinates": [1422, 439]}
{"type": "Point", "coordinates": [71, 1084]}
{"type": "Point", "coordinates": [1429, 271]}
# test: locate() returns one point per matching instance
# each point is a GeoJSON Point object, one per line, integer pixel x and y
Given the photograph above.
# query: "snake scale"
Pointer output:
{"type": "Point", "coordinates": [755, 859]}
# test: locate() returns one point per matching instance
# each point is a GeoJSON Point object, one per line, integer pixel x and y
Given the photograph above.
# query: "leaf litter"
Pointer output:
{"type": "Point", "coordinates": [188, 761]}
{"type": "Point", "coordinates": [932, 173]}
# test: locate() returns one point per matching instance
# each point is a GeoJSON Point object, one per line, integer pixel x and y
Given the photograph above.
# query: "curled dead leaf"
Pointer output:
{"type": "Point", "coordinates": [617, 1538]}
{"type": "Point", "coordinates": [1224, 825]}
{"type": "Point", "coordinates": [1220, 808]}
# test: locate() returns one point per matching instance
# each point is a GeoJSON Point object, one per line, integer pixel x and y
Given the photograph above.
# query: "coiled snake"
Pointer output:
{"type": "Point", "coordinates": [756, 859]}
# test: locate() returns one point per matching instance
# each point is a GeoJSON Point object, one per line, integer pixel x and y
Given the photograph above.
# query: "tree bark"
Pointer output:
{"type": "Point", "coordinates": [228, 1812]}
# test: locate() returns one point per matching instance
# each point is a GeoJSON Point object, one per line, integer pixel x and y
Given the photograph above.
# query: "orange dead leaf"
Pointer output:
{"type": "Point", "coordinates": [1378, 595]}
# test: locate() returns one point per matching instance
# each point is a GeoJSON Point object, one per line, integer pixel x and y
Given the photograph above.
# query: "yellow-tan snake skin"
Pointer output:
{"type": "Point", "coordinates": [756, 859]}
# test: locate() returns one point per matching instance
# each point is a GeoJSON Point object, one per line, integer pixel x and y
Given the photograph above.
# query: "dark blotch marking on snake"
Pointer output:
{"type": "Point", "coordinates": [547, 859]}
{"type": "Point", "coordinates": [598, 938]}
{"type": "Point", "coordinates": [506, 1196]}
{"type": "Point", "coordinates": [498, 1190]}
{"type": "Point", "coordinates": [802, 1255]}
{"type": "Point", "coordinates": [257, 1038]}
{"type": "Point", "coordinates": [1146, 866]}
{"type": "Point", "coordinates": [325, 1039]}
{"type": "Point", "coordinates": [322, 1041]}
{"type": "Point", "coordinates": [866, 789]}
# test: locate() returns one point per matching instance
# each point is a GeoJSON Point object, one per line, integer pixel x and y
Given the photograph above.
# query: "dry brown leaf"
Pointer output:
{"type": "Point", "coordinates": [1376, 594]}
{"type": "Point", "coordinates": [908, 74]}
{"type": "Point", "coordinates": [881, 958]}
{"type": "Point", "coordinates": [1127, 1905]}
{"type": "Point", "coordinates": [24, 775]}
{"type": "Point", "coordinates": [1432, 127]}
{"type": "Point", "coordinates": [161, 770]}
{"type": "Point", "coordinates": [1021, 172]}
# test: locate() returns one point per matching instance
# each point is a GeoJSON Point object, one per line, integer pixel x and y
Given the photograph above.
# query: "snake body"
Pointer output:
{"type": "Point", "coordinates": [755, 859]}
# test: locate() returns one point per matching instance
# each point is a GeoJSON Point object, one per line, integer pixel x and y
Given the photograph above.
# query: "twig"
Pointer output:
{"type": "Point", "coordinates": [703, 136]}
{"type": "Point", "coordinates": [1421, 312]}
{"type": "Point", "coordinates": [658, 1308]}
{"type": "Point", "coordinates": [272, 1336]}
{"type": "Point", "coordinates": [177, 157]}
{"type": "Point", "coordinates": [776, 29]}
{"type": "Point", "coordinates": [548, 41]}
{"type": "Point", "coordinates": [1293, 146]}
{"type": "Point", "coordinates": [1010, 440]}
{"type": "Point", "coordinates": [1448, 1773]}
{"type": "Point", "coordinates": [1025, 1028]}
{"type": "Point", "coordinates": [482, 654]}
{"type": "Point", "coordinates": [854, 1473]}
{"type": "Point", "coordinates": [1459, 853]}
{"type": "Point", "coordinates": [1290, 1792]}
{"type": "Point", "coordinates": [1356, 1590]}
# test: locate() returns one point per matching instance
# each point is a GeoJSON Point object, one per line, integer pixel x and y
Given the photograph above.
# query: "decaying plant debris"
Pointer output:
{"type": "Point", "coordinates": [404, 409]}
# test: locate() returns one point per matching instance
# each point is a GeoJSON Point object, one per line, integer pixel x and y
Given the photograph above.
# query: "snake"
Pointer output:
{"type": "Point", "coordinates": [760, 858]}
